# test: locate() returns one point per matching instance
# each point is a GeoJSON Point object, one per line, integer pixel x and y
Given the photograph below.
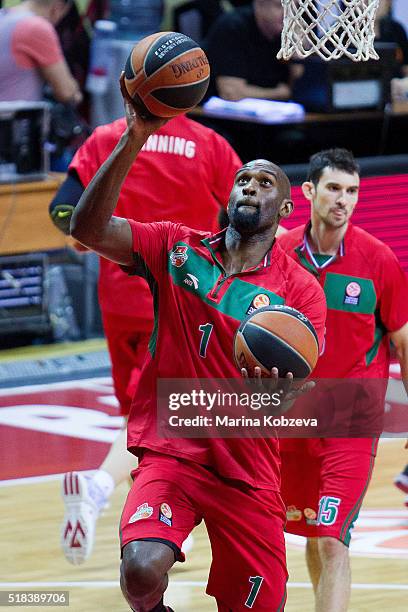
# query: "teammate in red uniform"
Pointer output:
{"type": "Point", "coordinates": [324, 481]}
{"type": "Point", "coordinates": [233, 484]}
{"type": "Point", "coordinates": [184, 174]}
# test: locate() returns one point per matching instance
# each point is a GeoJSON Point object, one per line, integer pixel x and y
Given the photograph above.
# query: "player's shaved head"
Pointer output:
{"type": "Point", "coordinates": [260, 197]}
{"type": "Point", "coordinates": [267, 166]}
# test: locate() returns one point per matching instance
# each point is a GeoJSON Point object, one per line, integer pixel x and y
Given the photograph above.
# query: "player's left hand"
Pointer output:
{"type": "Point", "coordinates": [139, 124]}
{"type": "Point", "coordinates": [284, 386]}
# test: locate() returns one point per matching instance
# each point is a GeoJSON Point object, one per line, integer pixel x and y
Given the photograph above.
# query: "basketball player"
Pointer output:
{"type": "Point", "coordinates": [184, 173]}
{"type": "Point", "coordinates": [233, 484]}
{"type": "Point", "coordinates": [324, 481]}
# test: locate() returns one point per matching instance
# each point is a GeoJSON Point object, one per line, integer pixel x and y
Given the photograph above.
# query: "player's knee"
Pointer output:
{"type": "Point", "coordinates": [140, 573]}
{"type": "Point", "coordinates": [331, 549]}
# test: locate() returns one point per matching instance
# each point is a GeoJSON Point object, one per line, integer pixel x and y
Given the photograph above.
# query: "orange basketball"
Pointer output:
{"type": "Point", "coordinates": [277, 336]}
{"type": "Point", "coordinates": [167, 74]}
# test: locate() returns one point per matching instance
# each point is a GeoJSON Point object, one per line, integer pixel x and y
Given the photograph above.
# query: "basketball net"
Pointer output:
{"type": "Point", "coordinates": [329, 28]}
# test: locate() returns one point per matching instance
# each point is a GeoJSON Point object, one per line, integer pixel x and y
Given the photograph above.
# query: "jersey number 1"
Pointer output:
{"type": "Point", "coordinates": [206, 330]}
{"type": "Point", "coordinates": [256, 582]}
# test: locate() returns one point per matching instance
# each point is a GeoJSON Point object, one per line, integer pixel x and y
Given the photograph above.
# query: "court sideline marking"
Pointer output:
{"type": "Point", "coordinates": [108, 584]}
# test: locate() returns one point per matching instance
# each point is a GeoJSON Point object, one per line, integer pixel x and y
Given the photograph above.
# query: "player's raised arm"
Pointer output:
{"type": "Point", "coordinates": [92, 223]}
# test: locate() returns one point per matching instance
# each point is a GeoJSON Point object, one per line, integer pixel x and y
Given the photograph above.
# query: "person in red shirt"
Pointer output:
{"type": "Point", "coordinates": [233, 484]}
{"type": "Point", "coordinates": [184, 174]}
{"type": "Point", "coordinates": [324, 480]}
{"type": "Point", "coordinates": [31, 54]}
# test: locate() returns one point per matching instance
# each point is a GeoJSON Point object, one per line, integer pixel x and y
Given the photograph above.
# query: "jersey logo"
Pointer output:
{"type": "Point", "coordinates": [259, 301]}
{"type": "Point", "coordinates": [179, 256]}
{"type": "Point", "coordinates": [310, 516]}
{"type": "Point", "coordinates": [352, 294]}
{"type": "Point", "coordinates": [166, 514]}
{"type": "Point", "coordinates": [293, 513]}
{"type": "Point", "coordinates": [191, 280]}
{"type": "Point", "coordinates": [143, 511]}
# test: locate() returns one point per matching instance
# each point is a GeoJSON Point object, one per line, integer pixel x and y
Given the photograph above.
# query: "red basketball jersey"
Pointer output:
{"type": "Point", "coordinates": [367, 297]}
{"type": "Point", "coordinates": [194, 169]}
{"type": "Point", "coordinates": [191, 291]}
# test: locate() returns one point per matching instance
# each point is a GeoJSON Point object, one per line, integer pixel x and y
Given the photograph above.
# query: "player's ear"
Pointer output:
{"type": "Point", "coordinates": [309, 190]}
{"type": "Point", "coordinates": [286, 208]}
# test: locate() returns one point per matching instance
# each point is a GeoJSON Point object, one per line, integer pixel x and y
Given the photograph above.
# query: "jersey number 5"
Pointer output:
{"type": "Point", "coordinates": [206, 330]}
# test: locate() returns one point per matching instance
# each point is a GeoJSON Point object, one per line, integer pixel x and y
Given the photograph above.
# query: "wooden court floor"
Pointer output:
{"type": "Point", "coordinates": [31, 559]}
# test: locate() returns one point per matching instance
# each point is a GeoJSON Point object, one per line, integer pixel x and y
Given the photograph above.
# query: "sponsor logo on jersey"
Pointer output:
{"type": "Point", "coordinates": [259, 301]}
{"type": "Point", "coordinates": [179, 256]}
{"type": "Point", "coordinates": [143, 511]}
{"type": "Point", "coordinates": [166, 514]}
{"type": "Point", "coordinates": [191, 281]}
{"type": "Point", "coordinates": [352, 294]}
{"type": "Point", "coordinates": [310, 516]}
{"type": "Point", "coordinates": [293, 513]}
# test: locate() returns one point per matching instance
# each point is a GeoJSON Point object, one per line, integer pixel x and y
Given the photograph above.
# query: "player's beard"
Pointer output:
{"type": "Point", "coordinates": [245, 221]}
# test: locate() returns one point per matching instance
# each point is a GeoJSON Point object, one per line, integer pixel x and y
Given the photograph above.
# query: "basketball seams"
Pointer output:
{"type": "Point", "coordinates": [145, 59]}
{"type": "Point", "coordinates": [292, 316]}
{"type": "Point", "coordinates": [241, 337]}
{"type": "Point", "coordinates": [157, 73]}
{"type": "Point", "coordinates": [163, 104]}
{"type": "Point", "coordinates": [284, 342]}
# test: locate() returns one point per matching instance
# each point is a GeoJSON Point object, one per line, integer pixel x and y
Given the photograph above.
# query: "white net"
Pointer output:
{"type": "Point", "coordinates": [329, 28]}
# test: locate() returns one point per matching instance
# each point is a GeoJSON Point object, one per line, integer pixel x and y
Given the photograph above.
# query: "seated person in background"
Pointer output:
{"type": "Point", "coordinates": [31, 55]}
{"type": "Point", "coordinates": [389, 30]}
{"type": "Point", "coordinates": [193, 17]}
{"type": "Point", "coordinates": [242, 47]}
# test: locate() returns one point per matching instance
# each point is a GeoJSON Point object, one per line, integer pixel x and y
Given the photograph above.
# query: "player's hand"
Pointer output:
{"type": "Point", "coordinates": [139, 124]}
{"type": "Point", "coordinates": [284, 386]}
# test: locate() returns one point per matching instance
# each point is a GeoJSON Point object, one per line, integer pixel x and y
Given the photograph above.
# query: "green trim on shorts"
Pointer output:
{"type": "Point", "coordinates": [345, 533]}
{"type": "Point", "coordinates": [283, 600]}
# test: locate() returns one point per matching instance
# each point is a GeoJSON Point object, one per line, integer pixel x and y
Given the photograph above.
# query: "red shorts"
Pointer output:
{"type": "Point", "coordinates": [127, 344]}
{"type": "Point", "coordinates": [169, 497]}
{"type": "Point", "coordinates": [324, 482]}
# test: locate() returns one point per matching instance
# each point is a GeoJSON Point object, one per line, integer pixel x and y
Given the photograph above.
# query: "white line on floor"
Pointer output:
{"type": "Point", "coordinates": [108, 584]}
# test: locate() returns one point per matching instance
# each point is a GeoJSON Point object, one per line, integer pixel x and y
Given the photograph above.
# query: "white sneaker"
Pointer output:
{"type": "Point", "coordinates": [401, 480]}
{"type": "Point", "coordinates": [83, 500]}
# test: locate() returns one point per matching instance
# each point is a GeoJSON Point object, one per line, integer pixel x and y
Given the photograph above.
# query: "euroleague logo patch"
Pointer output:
{"type": "Point", "coordinates": [259, 301]}
{"type": "Point", "coordinates": [166, 514]}
{"type": "Point", "coordinates": [352, 294]}
{"type": "Point", "coordinates": [310, 516]}
{"type": "Point", "coordinates": [179, 256]}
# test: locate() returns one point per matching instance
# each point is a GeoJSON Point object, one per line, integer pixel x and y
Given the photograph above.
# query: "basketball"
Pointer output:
{"type": "Point", "coordinates": [167, 74]}
{"type": "Point", "coordinates": [277, 336]}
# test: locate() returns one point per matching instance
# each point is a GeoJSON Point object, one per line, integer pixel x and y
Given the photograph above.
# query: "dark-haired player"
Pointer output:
{"type": "Point", "coordinates": [232, 484]}
{"type": "Point", "coordinates": [367, 299]}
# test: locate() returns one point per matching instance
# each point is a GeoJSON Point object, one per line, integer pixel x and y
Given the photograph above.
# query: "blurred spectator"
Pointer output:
{"type": "Point", "coordinates": [195, 17]}
{"type": "Point", "coordinates": [242, 47]}
{"type": "Point", "coordinates": [31, 55]}
{"type": "Point", "coordinates": [74, 32]}
{"type": "Point", "coordinates": [389, 30]}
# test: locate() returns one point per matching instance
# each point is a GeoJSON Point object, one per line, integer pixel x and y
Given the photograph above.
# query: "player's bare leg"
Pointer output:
{"type": "Point", "coordinates": [143, 574]}
{"type": "Point", "coordinates": [119, 462]}
{"type": "Point", "coordinates": [333, 589]}
{"type": "Point", "coordinates": [314, 564]}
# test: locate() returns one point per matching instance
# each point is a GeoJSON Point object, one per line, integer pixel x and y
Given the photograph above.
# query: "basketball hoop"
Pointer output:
{"type": "Point", "coordinates": [329, 28]}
